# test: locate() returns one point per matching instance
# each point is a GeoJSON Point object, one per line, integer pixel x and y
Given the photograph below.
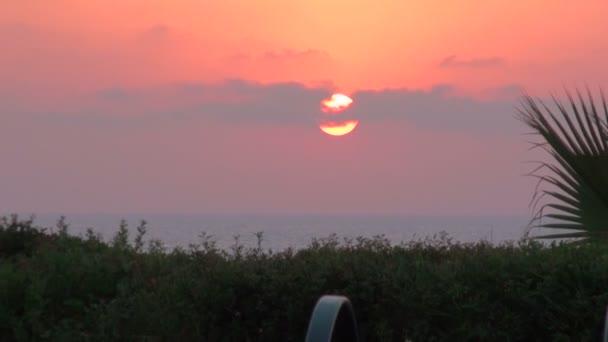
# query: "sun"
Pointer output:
{"type": "Point", "coordinates": [336, 103]}
{"type": "Point", "coordinates": [339, 129]}
{"type": "Point", "coordinates": [334, 120]}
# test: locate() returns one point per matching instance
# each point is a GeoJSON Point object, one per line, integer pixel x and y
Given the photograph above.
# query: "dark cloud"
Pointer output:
{"type": "Point", "coordinates": [244, 102]}
{"type": "Point", "coordinates": [251, 102]}
{"type": "Point", "coordinates": [114, 94]}
{"type": "Point", "coordinates": [293, 103]}
{"type": "Point", "coordinates": [506, 92]}
{"type": "Point", "coordinates": [453, 62]}
{"type": "Point", "coordinates": [436, 109]}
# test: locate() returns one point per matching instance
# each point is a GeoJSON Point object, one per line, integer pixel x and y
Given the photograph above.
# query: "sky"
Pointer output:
{"type": "Point", "coordinates": [203, 106]}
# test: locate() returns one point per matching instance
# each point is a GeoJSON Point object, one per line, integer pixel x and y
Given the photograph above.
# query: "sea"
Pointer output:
{"type": "Point", "coordinates": [280, 232]}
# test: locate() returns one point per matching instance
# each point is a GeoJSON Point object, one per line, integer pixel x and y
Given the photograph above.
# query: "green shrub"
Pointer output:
{"type": "Point", "coordinates": [18, 236]}
{"type": "Point", "coordinates": [80, 288]}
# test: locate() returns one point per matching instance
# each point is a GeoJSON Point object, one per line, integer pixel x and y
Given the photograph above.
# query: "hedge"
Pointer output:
{"type": "Point", "coordinates": [54, 286]}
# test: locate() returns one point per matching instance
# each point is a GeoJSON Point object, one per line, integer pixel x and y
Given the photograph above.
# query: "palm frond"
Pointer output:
{"type": "Point", "coordinates": [576, 137]}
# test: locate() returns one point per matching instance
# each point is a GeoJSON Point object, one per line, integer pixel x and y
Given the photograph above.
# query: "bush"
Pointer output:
{"type": "Point", "coordinates": [18, 236]}
{"type": "Point", "coordinates": [80, 288]}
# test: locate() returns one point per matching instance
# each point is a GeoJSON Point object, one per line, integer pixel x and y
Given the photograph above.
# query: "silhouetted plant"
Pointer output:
{"type": "Point", "coordinates": [73, 288]}
{"type": "Point", "coordinates": [19, 236]}
{"type": "Point", "coordinates": [577, 181]}
{"type": "Point", "coordinates": [121, 239]}
{"type": "Point", "coordinates": [139, 238]}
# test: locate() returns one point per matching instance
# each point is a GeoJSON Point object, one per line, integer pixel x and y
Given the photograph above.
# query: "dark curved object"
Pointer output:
{"type": "Point", "coordinates": [333, 320]}
{"type": "Point", "coordinates": [605, 337]}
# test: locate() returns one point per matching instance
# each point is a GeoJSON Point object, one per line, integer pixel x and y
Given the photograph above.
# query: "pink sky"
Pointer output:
{"type": "Point", "coordinates": [162, 106]}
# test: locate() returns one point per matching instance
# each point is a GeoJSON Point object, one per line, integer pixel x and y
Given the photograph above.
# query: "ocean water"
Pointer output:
{"type": "Point", "coordinates": [296, 231]}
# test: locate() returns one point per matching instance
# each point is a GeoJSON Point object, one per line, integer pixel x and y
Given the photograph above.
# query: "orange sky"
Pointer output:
{"type": "Point", "coordinates": [127, 107]}
{"type": "Point", "coordinates": [390, 43]}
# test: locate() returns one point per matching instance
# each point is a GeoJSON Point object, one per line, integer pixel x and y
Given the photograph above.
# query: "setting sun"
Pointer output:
{"type": "Point", "coordinates": [336, 103]}
{"type": "Point", "coordinates": [339, 129]}
{"type": "Point", "coordinates": [334, 117]}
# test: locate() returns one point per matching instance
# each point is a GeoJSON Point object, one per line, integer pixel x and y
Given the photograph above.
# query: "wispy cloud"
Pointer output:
{"type": "Point", "coordinates": [280, 55]}
{"type": "Point", "coordinates": [294, 54]}
{"type": "Point", "coordinates": [158, 31]}
{"type": "Point", "coordinates": [487, 62]}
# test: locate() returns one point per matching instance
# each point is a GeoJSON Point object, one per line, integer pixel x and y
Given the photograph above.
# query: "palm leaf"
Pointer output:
{"type": "Point", "coordinates": [577, 183]}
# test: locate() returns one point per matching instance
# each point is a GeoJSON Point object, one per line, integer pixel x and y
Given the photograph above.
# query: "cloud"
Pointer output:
{"type": "Point", "coordinates": [242, 102]}
{"type": "Point", "coordinates": [77, 64]}
{"type": "Point", "coordinates": [85, 60]}
{"type": "Point", "coordinates": [238, 57]}
{"type": "Point", "coordinates": [453, 62]}
{"type": "Point", "coordinates": [294, 54]}
{"type": "Point", "coordinates": [282, 65]}
{"type": "Point", "coordinates": [283, 55]}
{"type": "Point", "coordinates": [114, 94]}
{"type": "Point", "coordinates": [437, 109]}
{"type": "Point", "coordinates": [505, 92]}
{"type": "Point", "coordinates": [156, 32]}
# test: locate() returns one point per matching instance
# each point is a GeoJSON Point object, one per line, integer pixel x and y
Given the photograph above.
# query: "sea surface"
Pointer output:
{"type": "Point", "coordinates": [296, 231]}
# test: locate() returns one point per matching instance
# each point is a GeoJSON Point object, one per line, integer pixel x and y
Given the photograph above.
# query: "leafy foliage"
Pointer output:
{"type": "Point", "coordinates": [71, 288]}
{"type": "Point", "coordinates": [577, 182]}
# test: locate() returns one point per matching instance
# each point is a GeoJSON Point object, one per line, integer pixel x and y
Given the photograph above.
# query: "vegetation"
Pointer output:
{"type": "Point", "coordinates": [577, 182]}
{"type": "Point", "coordinates": [54, 286]}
